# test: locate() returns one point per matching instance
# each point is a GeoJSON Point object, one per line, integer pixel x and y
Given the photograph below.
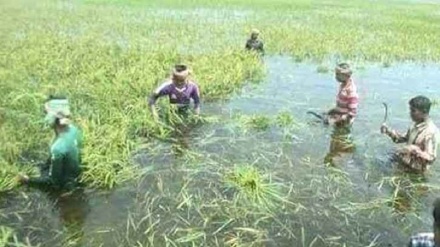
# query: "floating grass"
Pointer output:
{"type": "Point", "coordinates": [255, 122]}
{"type": "Point", "coordinates": [254, 187]}
{"type": "Point", "coordinates": [322, 69]}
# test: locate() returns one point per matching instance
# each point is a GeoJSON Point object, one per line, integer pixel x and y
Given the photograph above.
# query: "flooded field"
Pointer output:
{"type": "Point", "coordinates": [256, 170]}
{"type": "Point", "coordinates": [315, 187]}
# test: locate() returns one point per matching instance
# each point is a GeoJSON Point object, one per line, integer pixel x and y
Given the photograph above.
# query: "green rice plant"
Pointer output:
{"type": "Point", "coordinates": [5, 235]}
{"type": "Point", "coordinates": [8, 238]}
{"type": "Point", "coordinates": [9, 174]}
{"type": "Point", "coordinates": [386, 64]}
{"type": "Point", "coordinates": [322, 69]}
{"type": "Point", "coordinates": [255, 122]}
{"type": "Point", "coordinates": [253, 187]}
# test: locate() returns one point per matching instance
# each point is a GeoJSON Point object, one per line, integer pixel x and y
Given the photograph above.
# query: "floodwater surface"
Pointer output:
{"type": "Point", "coordinates": [337, 185]}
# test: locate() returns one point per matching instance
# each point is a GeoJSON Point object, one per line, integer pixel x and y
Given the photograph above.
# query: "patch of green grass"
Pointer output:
{"type": "Point", "coordinates": [366, 30]}
{"type": "Point", "coordinates": [253, 186]}
{"type": "Point", "coordinates": [9, 173]}
{"type": "Point", "coordinates": [107, 76]}
{"type": "Point", "coordinates": [256, 122]}
{"type": "Point", "coordinates": [322, 69]}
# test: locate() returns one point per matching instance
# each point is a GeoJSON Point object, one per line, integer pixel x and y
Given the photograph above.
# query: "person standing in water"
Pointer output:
{"type": "Point", "coordinates": [180, 90]}
{"type": "Point", "coordinates": [63, 168]}
{"type": "Point", "coordinates": [254, 43]}
{"type": "Point", "coordinates": [343, 115]}
{"type": "Point", "coordinates": [347, 99]}
{"type": "Point", "coordinates": [421, 139]}
{"type": "Point", "coordinates": [431, 239]}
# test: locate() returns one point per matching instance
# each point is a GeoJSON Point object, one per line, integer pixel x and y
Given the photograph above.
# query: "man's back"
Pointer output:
{"type": "Point", "coordinates": [65, 152]}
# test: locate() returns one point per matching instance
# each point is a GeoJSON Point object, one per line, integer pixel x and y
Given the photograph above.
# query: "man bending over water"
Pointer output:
{"type": "Point", "coordinates": [62, 170]}
{"type": "Point", "coordinates": [421, 139]}
{"type": "Point", "coordinates": [429, 239]}
{"type": "Point", "coordinates": [179, 89]}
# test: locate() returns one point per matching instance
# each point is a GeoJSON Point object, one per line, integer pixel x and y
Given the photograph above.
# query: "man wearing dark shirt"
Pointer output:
{"type": "Point", "coordinates": [254, 43]}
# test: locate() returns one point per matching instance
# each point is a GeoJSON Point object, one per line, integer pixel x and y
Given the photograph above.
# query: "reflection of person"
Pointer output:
{"type": "Point", "coordinates": [341, 142]}
{"type": "Point", "coordinates": [63, 168]}
{"type": "Point", "coordinates": [407, 188]}
{"type": "Point", "coordinates": [180, 91]}
{"type": "Point", "coordinates": [254, 43]}
{"type": "Point", "coordinates": [73, 209]}
{"type": "Point", "coordinates": [421, 139]}
{"type": "Point", "coordinates": [347, 98]}
{"type": "Point", "coordinates": [431, 239]}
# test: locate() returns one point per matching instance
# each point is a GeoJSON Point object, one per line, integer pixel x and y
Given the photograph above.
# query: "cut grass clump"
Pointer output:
{"type": "Point", "coordinates": [256, 122]}
{"type": "Point", "coordinates": [284, 120]}
{"type": "Point", "coordinates": [253, 187]}
{"type": "Point", "coordinates": [322, 69]}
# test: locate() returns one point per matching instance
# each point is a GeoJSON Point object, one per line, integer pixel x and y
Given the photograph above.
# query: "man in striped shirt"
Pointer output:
{"type": "Point", "coordinates": [347, 98]}
{"type": "Point", "coordinates": [431, 239]}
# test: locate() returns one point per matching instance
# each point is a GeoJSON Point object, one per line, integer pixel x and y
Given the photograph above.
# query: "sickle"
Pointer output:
{"type": "Point", "coordinates": [321, 117]}
{"type": "Point", "coordinates": [385, 118]}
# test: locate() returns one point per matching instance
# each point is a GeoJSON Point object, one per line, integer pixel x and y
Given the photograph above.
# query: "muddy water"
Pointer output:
{"type": "Point", "coordinates": [351, 202]}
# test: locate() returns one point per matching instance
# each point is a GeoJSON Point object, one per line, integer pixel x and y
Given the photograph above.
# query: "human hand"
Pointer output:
{"type": "Point", "coordinates": [22, 179]}
{"type": "Point", "coordinates": [413, 149]}
{"type": "Point", "coordinates": [384, 129]}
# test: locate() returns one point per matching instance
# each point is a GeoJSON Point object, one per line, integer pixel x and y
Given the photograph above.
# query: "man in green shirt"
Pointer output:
{"type": "Point", "coordinates": [65, 157]}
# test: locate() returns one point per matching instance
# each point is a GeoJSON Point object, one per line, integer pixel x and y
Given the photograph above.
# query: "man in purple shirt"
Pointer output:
{"type": "Point", "coordinates": [179, 89]}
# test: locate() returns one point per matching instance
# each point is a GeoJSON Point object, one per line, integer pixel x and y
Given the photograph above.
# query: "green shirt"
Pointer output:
{"type": "Point", "coordinates": [65, 160]}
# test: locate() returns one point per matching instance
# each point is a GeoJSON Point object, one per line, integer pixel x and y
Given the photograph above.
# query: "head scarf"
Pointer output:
{"type": "Point", "coordinates": [343, 68]}
{"type": "Point", "coordinates": [255, 31]}
{"type": "Point", "coordinates": [181, 72]}
{"type": "Point", "coordinates": [57, 109]}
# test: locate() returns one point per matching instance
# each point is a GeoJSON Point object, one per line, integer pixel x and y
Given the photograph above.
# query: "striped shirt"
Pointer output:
{"type": "Point", "coordinates": [422, 240]}
{"type": "Point", "coordinates": [347, 99]}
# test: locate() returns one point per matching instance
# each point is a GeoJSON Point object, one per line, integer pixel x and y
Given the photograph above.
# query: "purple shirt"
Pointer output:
{"type": "Point", "coordinates": [180, 97]}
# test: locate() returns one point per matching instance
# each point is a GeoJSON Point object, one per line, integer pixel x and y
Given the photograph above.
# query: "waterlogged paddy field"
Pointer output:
{"type": "Point", "coordinates": [253, 173]}
{"type": "Point", "coordinates": [192, 199]}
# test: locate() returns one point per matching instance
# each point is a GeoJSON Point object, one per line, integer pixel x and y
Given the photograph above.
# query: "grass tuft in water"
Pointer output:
{"type": "Point", "coordinates": [253, 187]}
{"type": "Point", "coordinates": [322, 69]}
{"type": "Point", "coordinates": [256, 122]}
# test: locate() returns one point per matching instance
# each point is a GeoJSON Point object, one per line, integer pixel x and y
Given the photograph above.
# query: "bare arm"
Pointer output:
{"type": "Point", "coordinates": [394, 135]}
{"type": "Point", "coordinates": [195, 95]}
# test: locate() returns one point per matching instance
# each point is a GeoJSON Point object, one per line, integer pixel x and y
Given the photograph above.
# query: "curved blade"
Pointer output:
{"type": "Point", "coordinates": [385, 118]}
{"type": "Point", "coordinates": [316, 115]}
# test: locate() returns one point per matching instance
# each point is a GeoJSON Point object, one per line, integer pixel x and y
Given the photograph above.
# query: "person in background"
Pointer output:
{"type": "Point", "coordinates": [421, 139]}
{"type": "Point", "coordinates": [431, 239]}
{"type": "Point", "coordinates": [180, 90]}
{"type": "Point", "coordinates": [347, 99]}
{"type": "Point", "coordinates": [63, 168]}
{"type": "Point", "coordinates": [254, 43]}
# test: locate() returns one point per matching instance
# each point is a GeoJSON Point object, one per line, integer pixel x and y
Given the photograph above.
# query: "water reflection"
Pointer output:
{"type": "Point", "coordinates": [341, 143]}
{"type": "Point", "coordinates": [408, 189]}
{"type": "Point", "coordinates": [73, 208]}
